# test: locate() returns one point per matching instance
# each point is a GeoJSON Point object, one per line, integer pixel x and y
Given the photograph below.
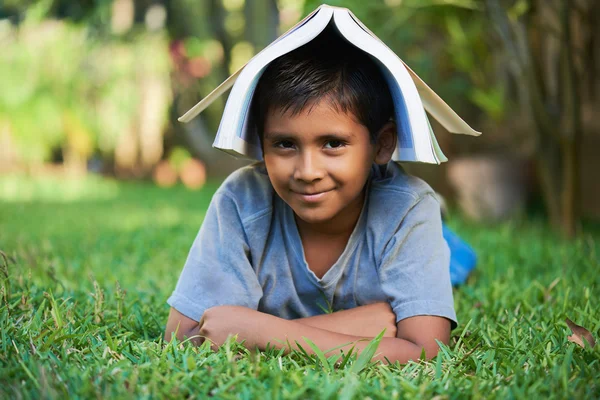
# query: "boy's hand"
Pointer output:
{"type": "Point", "coordinates": [365, 321]}
{"type": "Point", "coordinates": [220, 322]}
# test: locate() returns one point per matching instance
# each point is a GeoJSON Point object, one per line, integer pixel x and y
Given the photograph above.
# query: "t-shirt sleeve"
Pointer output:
{"type": "Point", "coordinates": [414, 270]}
{"type": "Point", "coordinates": [218, 270]}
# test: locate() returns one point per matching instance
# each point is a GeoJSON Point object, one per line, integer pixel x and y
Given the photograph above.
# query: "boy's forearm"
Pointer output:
{"type": "Point", "coordinates": [364, 321]}
{"type": "Point", "coordinates": [259, 329]}
{"type": "Point", "coordinates": [280, 332]}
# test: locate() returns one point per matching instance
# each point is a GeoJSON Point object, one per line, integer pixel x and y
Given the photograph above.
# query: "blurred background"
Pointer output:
{"type": "Point", "coordinates": [95, 87]}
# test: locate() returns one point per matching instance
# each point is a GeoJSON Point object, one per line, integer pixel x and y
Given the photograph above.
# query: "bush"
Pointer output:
{"type": "Point", "coordinates": [67, 92]}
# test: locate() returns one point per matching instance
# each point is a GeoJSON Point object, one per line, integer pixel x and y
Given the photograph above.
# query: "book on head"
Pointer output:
{"type": "Point", "coordinates": [412, 97]}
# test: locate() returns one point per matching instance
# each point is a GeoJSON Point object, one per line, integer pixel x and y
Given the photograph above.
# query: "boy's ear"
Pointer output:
{"type": "Point", "coordinates": [386, 143]}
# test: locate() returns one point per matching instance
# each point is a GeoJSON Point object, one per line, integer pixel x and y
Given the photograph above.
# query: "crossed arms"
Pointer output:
{"type": "Point", "coordinates": [402, 341]}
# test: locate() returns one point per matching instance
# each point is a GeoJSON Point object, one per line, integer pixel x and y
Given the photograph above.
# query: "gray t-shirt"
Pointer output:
{"type": "Point", "coordinates": [249, 253]}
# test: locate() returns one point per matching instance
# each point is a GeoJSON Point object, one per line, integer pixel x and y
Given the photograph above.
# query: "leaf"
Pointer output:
{"type": "Point", "coordinates": [332, 360]}
{"type": "Point", "coordinates": [110, 341]}
{"type": "Point", "coordinates": [367, 354]}
{"type": "Point", "coordinates": [347, 357]}
{"type": "Point", "coordinates": [349, 388]}
{"type": "Point", "coordinates": [320, 355]}
{"type": "Point", "coordinates": [302, 351]}
{"type": "Point", "coordinates": [580, 333]}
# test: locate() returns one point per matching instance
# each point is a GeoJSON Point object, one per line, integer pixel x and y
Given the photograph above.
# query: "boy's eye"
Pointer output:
{"type": "Point", "coordinates": [284, 144]}
{"type": "Point", "coordinates": [334, 144]}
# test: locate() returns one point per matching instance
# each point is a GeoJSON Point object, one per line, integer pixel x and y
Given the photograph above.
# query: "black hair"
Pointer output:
{"type": "Point", "coordinates": [327, 68]}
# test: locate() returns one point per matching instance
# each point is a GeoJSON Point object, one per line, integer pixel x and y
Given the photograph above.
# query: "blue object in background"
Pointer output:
{"type": "Point", "coordinates": [462, 257]}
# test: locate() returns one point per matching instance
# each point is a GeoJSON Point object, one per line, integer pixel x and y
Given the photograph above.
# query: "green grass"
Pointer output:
{"type": "Point", "coordinates": [91, 263]}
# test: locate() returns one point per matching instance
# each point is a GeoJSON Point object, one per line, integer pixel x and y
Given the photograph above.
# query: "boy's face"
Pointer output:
{"type": "Point", "coordinates": [318, 162]}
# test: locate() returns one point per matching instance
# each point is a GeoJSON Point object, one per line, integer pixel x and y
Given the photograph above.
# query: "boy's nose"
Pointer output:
{"type": "Point", "coordinates": [308, 167]}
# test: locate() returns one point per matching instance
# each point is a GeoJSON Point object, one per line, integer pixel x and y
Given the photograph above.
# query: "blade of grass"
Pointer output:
{"type": "Point", "coordinates": [29, 374]}
{"type": "Point", "coordinates": [302, 351]}
{"type": "Point", "coordinates": [320, 355]}
{"type": "Point", "coordinates": [331, 360]}
{"type": "Point", "coordinates": [347, 357]}
{"type": "Point", "coordinates": [367, 354]}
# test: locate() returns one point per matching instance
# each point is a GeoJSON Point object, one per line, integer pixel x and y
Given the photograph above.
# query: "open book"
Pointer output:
{"type": "Point", "coordinates": [411, 96]}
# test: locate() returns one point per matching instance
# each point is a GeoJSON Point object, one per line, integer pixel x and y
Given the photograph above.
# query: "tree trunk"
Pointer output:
{"type": "Point", "coordinates": [552, 96]}
{"type": "Point", "coordinates": [571, 140]}
{"type": "Point", "coordinates": [217, 22]}
{"type": "Point", "coordinates": [262, 22]}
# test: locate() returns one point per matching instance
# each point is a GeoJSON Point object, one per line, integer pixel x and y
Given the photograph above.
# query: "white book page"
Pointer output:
{"type": "Point", "coordinates": [439, 154]}
{"type": "Point", "coordinates": [236, 109]}
{"type": "Point", "coordinates": [228, 83]}
{"type": "Point", "coordinates": [405, 149]}
{"type": "Point", "coordinates": [431, 101]}
{"type": "Point", "coordinates": [414, 107]}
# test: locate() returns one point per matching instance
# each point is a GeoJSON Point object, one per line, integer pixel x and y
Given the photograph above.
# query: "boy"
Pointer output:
{"type": "Point", "coordinates": [326, 224]}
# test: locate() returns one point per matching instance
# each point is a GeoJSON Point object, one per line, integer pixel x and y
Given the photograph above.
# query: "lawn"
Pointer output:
{"type": "Point", "coordinates": [90, 264]}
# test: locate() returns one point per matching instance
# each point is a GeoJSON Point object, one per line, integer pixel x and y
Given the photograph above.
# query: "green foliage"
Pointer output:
{"type": "Point", "coordinates": [65, 89]}
{"type": "Point", "coordinates": [445, 42]}
{"type": "Point", "coordinates": [323, 361]}
{"type": "Point", "coordinates": [91, 12]}
{"type": "Point", "coordinates": [178, 157]}
{"type": "Point", "coordinates": [367, 354]}
{"type": "Point", "coordinates": [88, 269]}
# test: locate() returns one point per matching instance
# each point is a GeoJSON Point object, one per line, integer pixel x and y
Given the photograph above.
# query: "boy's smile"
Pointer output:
{"type": "Point", "coordinates": [318, 162]}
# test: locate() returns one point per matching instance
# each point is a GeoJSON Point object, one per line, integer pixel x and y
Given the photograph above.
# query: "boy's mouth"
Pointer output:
{"type": "Point", "coordinates": [311, 197]}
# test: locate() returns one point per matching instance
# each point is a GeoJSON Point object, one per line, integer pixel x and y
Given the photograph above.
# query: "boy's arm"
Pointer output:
{"type": "Point", "coordinates": [366, 321]}
{"type": "Point", "coordinates": [258, 329]}
{"type": "Point", "coordinates": [182, 328]}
